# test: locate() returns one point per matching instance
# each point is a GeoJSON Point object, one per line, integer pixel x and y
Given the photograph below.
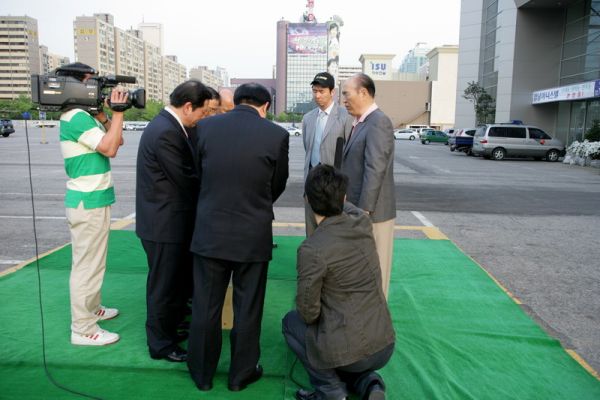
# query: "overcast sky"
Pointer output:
{"type": "Point", "coordinates": [241, 35]}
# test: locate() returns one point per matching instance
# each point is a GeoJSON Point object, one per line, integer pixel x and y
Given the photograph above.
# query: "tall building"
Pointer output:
{"type": "Point", "coordinates": [415, 58]}
{"type": "Point", "coordinates": [153, 33]}
{"type": "Point", "coordinates": [133, 52]}
{"type": "Point", "coordinates": [129, 50]}
{"type": "Point", "coordinates": [346, 72]}
{"type": "Point", "coordinates": [303, 50]}
{"type": "Point", "coordinates": [49, 61]}
{"type": "Point", "coordinates": [540, 60]}
{"type": "Point", "coordinates": [153, 71]}
{"type": "Point", "coordinates": [224, 75]}
{"type": "Point", "coordinates": [95, 42]}
{"type": "Point", "coordinates": [19, 55]}
{"type": "Point", "coordinates": [207, 76]}
{"type": "Point", "coordinates": [173, 74]}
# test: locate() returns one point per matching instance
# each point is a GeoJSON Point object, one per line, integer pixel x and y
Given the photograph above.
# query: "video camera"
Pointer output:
{"type": "Point", "coordinates": [64, 88]}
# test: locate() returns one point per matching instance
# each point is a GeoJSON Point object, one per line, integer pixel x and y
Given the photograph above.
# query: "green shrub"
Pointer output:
{"type": "Point", "coordinates": [593, 134]}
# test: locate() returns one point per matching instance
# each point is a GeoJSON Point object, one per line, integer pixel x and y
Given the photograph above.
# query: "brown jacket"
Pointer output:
{"type": "Point", "coordinates": [339, 292]}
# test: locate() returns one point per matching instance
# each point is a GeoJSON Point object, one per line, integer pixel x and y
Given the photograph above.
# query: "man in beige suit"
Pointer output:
{"type": "Point", "coordinates": [369, 164]}
{"type": "Point", "coordinates": [320, 129]}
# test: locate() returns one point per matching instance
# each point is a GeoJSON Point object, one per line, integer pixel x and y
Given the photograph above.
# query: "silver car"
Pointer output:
{"type": "Point", "coordinates": [499, 141]}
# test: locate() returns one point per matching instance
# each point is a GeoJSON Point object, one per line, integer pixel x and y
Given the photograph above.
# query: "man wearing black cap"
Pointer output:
{"type": "Point", "coordinates": [320, 129]}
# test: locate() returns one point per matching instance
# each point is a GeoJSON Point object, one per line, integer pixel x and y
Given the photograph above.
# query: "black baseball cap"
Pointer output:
{"type": "Point", "coordinates": [324, 79]}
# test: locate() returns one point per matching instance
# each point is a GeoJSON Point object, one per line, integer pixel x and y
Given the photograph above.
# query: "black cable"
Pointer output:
{"type": "Point", "coordinates": [300, 385]}
{"type": "Point", "coordinates": [37, 263]}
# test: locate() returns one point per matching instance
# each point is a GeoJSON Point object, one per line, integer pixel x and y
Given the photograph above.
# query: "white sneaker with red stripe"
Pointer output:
{"type": "Point", "coordinates": [100, 338]}
{"type": "Point", "coordinates": [105, 313]}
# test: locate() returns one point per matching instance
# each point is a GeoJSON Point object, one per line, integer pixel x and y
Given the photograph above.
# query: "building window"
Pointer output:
{"type": "Point", "coordinates": [580, 59]}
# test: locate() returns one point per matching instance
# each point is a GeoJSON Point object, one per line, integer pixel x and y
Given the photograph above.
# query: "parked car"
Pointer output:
{"type": "Point", "coordinates": [407, 134]}
{"type": "Point", "coordinates": [422, 131]}
{"type": "Point", "coordinates": [6, 127]}
{"type": "Point", "coordinates": [499, 141]}
{"type": "Point", "coordinates": [46, 124]}
{"type": "Point", "coordinates": [434, 136]}
{"type": "Point", "coordinates": [135, 126]}
{"type": "Point", "coordinates": [293, 131]}
{"type": "Point", "coordinates": [462, 140]}
{"type": "Point", "coordinates": [450, 131]}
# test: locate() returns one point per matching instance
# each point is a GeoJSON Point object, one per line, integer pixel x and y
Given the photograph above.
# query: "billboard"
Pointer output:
{"type": "Point", "coordinates": [333, 49]}
{"type": "Point", "coordinates": [307, 38]}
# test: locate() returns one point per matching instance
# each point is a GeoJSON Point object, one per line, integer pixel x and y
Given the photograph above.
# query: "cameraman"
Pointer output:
{"type": "Point", "coordinates": [87, 142]}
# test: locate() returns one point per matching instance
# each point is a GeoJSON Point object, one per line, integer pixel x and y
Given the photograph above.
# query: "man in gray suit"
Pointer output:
{"type": "Point", "coordinates": [341, 329]}
{"type": "Point", "coordinates": [369, 163]}
{"type": "Point", "coordinates": [320, 129]}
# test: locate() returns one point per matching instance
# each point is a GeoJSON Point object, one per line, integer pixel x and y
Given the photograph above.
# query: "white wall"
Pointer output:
{"type": "Point", "coordinates": [444, 69]}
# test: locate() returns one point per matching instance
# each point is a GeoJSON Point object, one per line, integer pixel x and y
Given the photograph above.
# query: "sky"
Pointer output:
{"type": "Point", "coordinates": [241, 35]}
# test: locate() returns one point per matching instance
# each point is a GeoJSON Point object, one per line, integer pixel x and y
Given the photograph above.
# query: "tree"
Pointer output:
{"type": "Point", "coordinates": [282, 117]}
{"type": "Point", "coordinates": [13, 109]}
{"type": "Point", "coordinates": [483, 103]}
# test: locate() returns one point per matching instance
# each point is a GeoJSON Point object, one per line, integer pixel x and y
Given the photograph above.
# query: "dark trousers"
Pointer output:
{"type": "Point", "coordinates": [167, 291]}
{"type": "Point", "coordinates": [334, 383]}
{"type": "Point", "coordinates": [211, 278]}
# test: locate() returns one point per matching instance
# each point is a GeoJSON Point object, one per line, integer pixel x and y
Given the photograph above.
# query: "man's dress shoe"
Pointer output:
{"type": "Point", "coordinates": [375, 392]}
{"type": "Point", "coordinates": [303, 394]}
{"type": "Point", "coordinates": [176, 355]}
{"type": "Point", "coordinates": [205, 387]}
{"type": "Point", "coordinates": [256, 375]}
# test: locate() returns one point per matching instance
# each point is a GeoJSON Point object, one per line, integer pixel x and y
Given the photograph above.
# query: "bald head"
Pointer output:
{"type": "Point", "coordinates": [226, 100]}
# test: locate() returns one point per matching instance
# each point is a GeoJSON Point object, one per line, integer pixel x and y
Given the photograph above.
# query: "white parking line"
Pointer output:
{"type": "Point", "coordinates": [54, 194]}
{"type": "Point", "coordinates": [422, 218]}
{"type": "Point", "coordinates": [42, 217]}
{"type": "Point", "coordinates": [11, 262]}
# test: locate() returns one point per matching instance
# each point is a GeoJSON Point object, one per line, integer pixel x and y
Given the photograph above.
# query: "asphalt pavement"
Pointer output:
{"type": "Point", "coordinates": [533, 225]}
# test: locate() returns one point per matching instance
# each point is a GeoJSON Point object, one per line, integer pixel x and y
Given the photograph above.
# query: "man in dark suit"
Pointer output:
{"type": "Point", "coordinates": [166, 195]}
{"type": "Point", "coordinates": [242, 160]}
{"type": "Point", "coordinates": [341, 329]}
{"type": "Point", "coordinates": [369, 164]}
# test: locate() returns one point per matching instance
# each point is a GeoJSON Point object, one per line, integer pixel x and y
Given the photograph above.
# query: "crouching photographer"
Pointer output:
{"type": "Point", "coordinates": [88, 139]}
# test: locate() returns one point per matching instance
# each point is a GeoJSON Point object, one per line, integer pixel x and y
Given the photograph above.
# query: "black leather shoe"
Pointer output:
{"type": "Point", "coordinates": [205, 387]}
{"type": "Point", "coordinates": [375, 392]}
{"type": "Point", "coordinates": [256, 375]}
{"type": "Point", "coordinates": [176, 355]}
{"type": "Point", "coordinates": [302, 394]}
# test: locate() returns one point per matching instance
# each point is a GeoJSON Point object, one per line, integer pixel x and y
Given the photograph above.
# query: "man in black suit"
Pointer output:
{"type": "Point", "coordinates": [166, 195]}
{"type": "Point", "coordinates": [242, 161]}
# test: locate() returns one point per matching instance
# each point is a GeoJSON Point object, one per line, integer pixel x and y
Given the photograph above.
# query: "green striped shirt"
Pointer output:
{"type": "Point", "coordinates": [90, 180]}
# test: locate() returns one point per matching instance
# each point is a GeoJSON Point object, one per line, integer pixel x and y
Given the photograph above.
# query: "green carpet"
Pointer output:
{"type": "Point", "coordinates": [459, 336]}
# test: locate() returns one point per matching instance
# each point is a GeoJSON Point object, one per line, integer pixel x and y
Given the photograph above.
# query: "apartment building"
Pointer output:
{"type": "Point", "coordinates": [50, 61]}
{"type": "Point", "coordinates": [173, 74]}
{"type": "Point", "coordinates": [19, 56]}
{"type": "Point", "coordinates": [207, 76]}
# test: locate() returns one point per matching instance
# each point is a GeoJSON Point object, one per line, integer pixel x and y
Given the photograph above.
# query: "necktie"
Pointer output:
{"type": "Point", "coordinates": [315, 156]}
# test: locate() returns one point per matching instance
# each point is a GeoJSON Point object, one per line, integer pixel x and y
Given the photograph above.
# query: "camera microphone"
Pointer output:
{"type": "Point", "coordinates": [124, 78]}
